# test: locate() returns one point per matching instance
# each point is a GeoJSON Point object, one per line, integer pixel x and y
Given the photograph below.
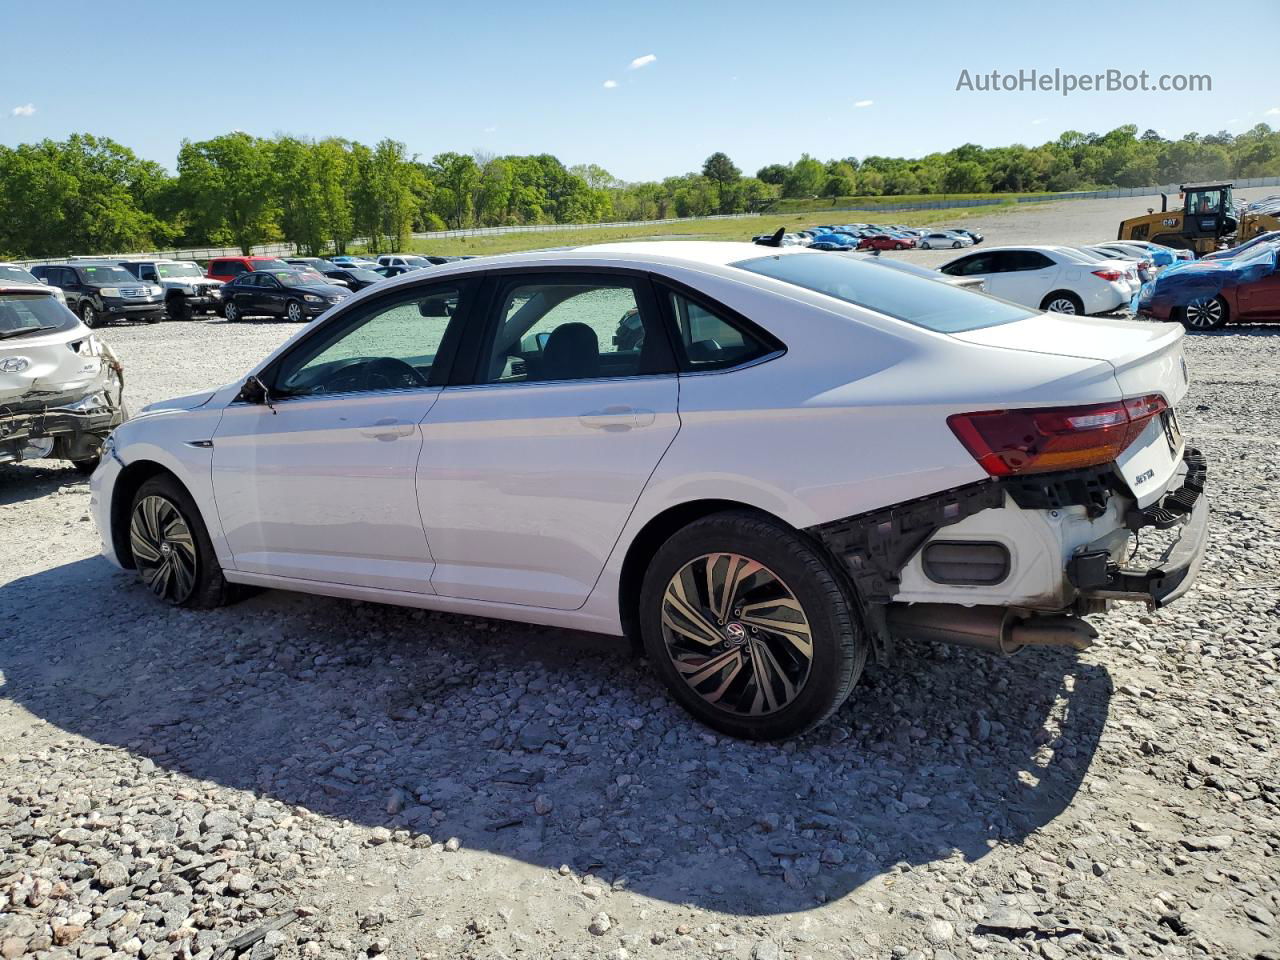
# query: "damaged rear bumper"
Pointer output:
{"type": "Point", "coordinates": [72, 429]}
{"type": "Point", "coordinates": [1096, 577]}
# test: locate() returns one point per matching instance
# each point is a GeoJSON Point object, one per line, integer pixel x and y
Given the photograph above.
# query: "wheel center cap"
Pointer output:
{"type": "Point", "coordinates": [735, 632]}
{"type": "Point", "coordinates": [166, 548]}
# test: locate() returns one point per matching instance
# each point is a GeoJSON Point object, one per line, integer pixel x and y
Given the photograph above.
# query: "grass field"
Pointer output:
{"type": "Point", "coordinates": [742, 228]}
{"type": "Point", "coordinates": [872, 203]}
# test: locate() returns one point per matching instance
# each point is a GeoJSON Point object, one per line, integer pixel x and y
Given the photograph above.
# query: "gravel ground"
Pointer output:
{"type": "Point", "coordinates": [302, 777]}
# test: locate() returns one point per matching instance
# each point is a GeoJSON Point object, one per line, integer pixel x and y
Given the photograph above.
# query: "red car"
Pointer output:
{"type": "Point", "coordinates": [882, 241]}
{"type": "Point", "coordinates": [227, 269]}
{"type": "Point", "coordinates": [1215, 303]}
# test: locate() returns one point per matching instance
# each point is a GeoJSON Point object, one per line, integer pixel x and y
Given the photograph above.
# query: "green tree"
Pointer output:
{"type": "Point", "coordinates": [720, 170]}
{"type": "Point", "coordinates": [805, 178]}
{"type": "Point", "coordinates": [227, 187]}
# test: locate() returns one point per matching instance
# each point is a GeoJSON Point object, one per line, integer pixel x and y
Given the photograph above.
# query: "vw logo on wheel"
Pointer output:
{"type": "Point", "coordinates": [735, 632]}
{"type": "Point", "coordinates": [14, 364]}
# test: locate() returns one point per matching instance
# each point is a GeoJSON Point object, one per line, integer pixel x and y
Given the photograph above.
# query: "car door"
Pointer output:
{"type": "Point", "coordinates": [268, 294]}
{"type": "Point", "coordinates": [1025, 276]}
{"type": "Point", "coordinates": [320, 484]}
{"type": "Point", "coordinates": [240, 293]}
{"type": "Point", "coordinates": [531, 465]}
{"type": "Point", "coordinates": [1259, 300]}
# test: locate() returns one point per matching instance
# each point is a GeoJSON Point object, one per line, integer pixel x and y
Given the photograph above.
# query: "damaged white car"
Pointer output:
{"type": "Point", "coordinates": [61, 388]}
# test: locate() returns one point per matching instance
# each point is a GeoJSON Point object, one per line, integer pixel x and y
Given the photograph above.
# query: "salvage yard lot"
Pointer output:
{"type": "Point", "coordinates": [371, 780]}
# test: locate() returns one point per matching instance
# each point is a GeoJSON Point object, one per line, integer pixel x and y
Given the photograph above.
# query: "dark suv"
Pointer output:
{"type": "Point", "coordinates": [98, 292]}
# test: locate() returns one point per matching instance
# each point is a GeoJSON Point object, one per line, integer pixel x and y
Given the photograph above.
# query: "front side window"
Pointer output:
{"type": "Point", "coordinates": [939, 307]}
{"type": "Point", "coordinates": [573, 330]}
{"type": "Point", "coordinates": [389, 345]}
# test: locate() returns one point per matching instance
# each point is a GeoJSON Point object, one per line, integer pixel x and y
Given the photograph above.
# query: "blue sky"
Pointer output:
{"type": "Point", "coordinates": [761, 81]}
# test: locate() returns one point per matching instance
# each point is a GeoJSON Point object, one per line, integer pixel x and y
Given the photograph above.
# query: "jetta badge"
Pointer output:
{"type": "Point", "coordinates": [14, 364]}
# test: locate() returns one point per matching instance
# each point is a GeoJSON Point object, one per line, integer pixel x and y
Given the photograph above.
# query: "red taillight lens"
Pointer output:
{"type": "Point", "coordinates": [1007, 442]}
{"type": "Point", "coordinates": [1110, 275]}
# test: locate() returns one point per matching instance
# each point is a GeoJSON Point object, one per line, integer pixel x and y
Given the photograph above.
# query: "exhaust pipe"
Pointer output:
{"type": "Point", "coordinates": [994, 629]}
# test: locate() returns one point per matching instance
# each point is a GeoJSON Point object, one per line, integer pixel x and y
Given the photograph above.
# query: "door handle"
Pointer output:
{"type": "Point", "coordinates": [617, 418]}
{"type": "Point", "coordinates": [610, 418]}
{"type": "Point", "coordinates": [388, 428]}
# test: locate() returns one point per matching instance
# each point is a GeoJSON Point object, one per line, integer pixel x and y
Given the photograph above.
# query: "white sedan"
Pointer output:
{"type": "Point", "coordinates": [943, 240]}
{"type": "Point", "coordinates": [1048, 277]}
{"type": "Point", "coordinates": [763, 465]}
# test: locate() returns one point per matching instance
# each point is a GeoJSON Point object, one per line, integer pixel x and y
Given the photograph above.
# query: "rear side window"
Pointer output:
{"type": "Point", "coordinates": [935, 306]}
{"type": "Point", "coordinates": [710, 341]}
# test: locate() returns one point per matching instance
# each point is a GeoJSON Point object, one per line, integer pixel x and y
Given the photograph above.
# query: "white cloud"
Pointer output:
{"type": "Point", "coordinates": [610, 84]}
{"type": "Point", "coordinates": [644, 61]}
{"type": "Point", "coordinates": [1039, 120]}
{"type": "Point", "coordinates": [863, 103]}
{"type": "Point", "coordinates": [490, 129]}
{"type": "Point", "coordinates": [26, 110]}
{"type": "Point", "coordinates": [1273, 112]}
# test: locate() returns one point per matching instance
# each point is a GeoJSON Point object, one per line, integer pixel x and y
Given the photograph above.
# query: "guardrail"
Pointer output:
{"type": "Point", "coordinates": [289, 249]}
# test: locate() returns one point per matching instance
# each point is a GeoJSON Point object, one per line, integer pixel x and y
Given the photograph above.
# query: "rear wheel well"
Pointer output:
{"type": "Point", "coordinates": [646, 543]}
{"type": "Point", "coordinates": [131, 478]}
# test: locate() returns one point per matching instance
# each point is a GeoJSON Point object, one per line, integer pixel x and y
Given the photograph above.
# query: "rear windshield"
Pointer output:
{"type": "Point", "coordinates": [23, 315]}
{"type": "Point", "coordinates": [16, 275]}
{"type": "Point", "coordinates": [927, 303]}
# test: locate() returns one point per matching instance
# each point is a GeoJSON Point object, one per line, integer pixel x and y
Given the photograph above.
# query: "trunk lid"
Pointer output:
{"type": "Point", "coordinates": [1146, 357]}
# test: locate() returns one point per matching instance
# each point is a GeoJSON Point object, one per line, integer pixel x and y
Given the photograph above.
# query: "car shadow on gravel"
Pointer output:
{"type": "Point", "coordinates": [34, 479]}
{"type": "Point", "coordinates": [552, 747]}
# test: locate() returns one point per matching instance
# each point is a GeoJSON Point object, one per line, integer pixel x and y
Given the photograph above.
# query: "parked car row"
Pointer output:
{"type": "Point", "coordinates": [99, 290]}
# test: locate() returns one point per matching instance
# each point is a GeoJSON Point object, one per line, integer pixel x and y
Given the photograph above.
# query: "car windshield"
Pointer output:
{"type": "Point", "coordinates": [364, 276]}
{"type": "Point", "coordinates": [107, 275]}
{"type": "Point", "coordinates": [940, 307]}
{"type": "Point", "coordinates": [270, 265]}
{"type": "Point", "coordinates": [417, 261]}
{"type": "Point", "coordinates": [16, 275]}
{"type": "Point", "coordinates": [27, 314]}
{"type": "Point", "coordinates": [166, 270]}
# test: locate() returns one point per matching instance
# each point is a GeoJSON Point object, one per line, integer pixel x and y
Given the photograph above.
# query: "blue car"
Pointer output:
{"type": "Point", "coordinates": [834, 241]}
{"type": "Point", "coordinates": [1236, 251]}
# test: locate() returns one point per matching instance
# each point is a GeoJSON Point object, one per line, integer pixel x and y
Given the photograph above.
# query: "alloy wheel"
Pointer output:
{"type": "Point", "coordinates": [1061, 305]}
{"type": "Point", "coordinates": [163, 549]}
{"type": "Point", "coordinates": [89, 315]}
{"type": "Point", "coordinates": [295, 312]}
{"type": "Point", "coordinates": [231, 312]}
{"type": "Point", "coordinates": [1204, 314]}
{"type": "Point", "coordinates": [736, 634]}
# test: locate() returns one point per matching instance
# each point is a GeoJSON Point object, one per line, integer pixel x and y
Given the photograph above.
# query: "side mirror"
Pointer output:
{"type": "Point", "coordinates": [43, 280]}
{"type": "Point", "coordinates": [254, 391]}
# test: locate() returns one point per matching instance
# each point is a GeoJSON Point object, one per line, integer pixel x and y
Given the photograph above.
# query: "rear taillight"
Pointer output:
{"type": "Point", "coordinates": [1109, 275]}
{"type": "Point", "coordinates": [1007, 442]}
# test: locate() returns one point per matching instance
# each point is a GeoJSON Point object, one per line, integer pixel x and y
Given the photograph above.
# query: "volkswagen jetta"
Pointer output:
{"type": "Point", "coordinates": [799, 457]}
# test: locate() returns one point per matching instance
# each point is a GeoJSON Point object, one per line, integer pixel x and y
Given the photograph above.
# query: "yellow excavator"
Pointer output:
{"type": "Point", "coordinates": [1208, 218]}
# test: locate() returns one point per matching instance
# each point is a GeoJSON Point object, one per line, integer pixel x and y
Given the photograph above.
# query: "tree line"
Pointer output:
{"type": "Point", "coordinates": [89, 194]}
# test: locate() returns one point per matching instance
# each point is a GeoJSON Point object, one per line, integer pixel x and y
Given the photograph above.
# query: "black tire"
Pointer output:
{"type": "Point", "coordinates": [194, 577]}
{"type": "Point", "coordinates": [924, 245]}
{"type": "Point", "coordinates": [1204, 314]}
{"type": "Point", "coordinates": [177, 308]}
{"type": "Point", "coordinates": [87, 466]}
{"type": "Point", "coordinates": [293, 312]}
{"type": "Point", "coordinates": [956, 245]}
{"type": "Point", "coordinates": [89, 315]}
{"type": "Point", "coordinates": [155, 317]}
{"type": "Point", "coordinates": [837, 643]}
{"type": "Point", "coordinates": [231, 311]}
{"type": "Point", "coordinates": [1052, 303]}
